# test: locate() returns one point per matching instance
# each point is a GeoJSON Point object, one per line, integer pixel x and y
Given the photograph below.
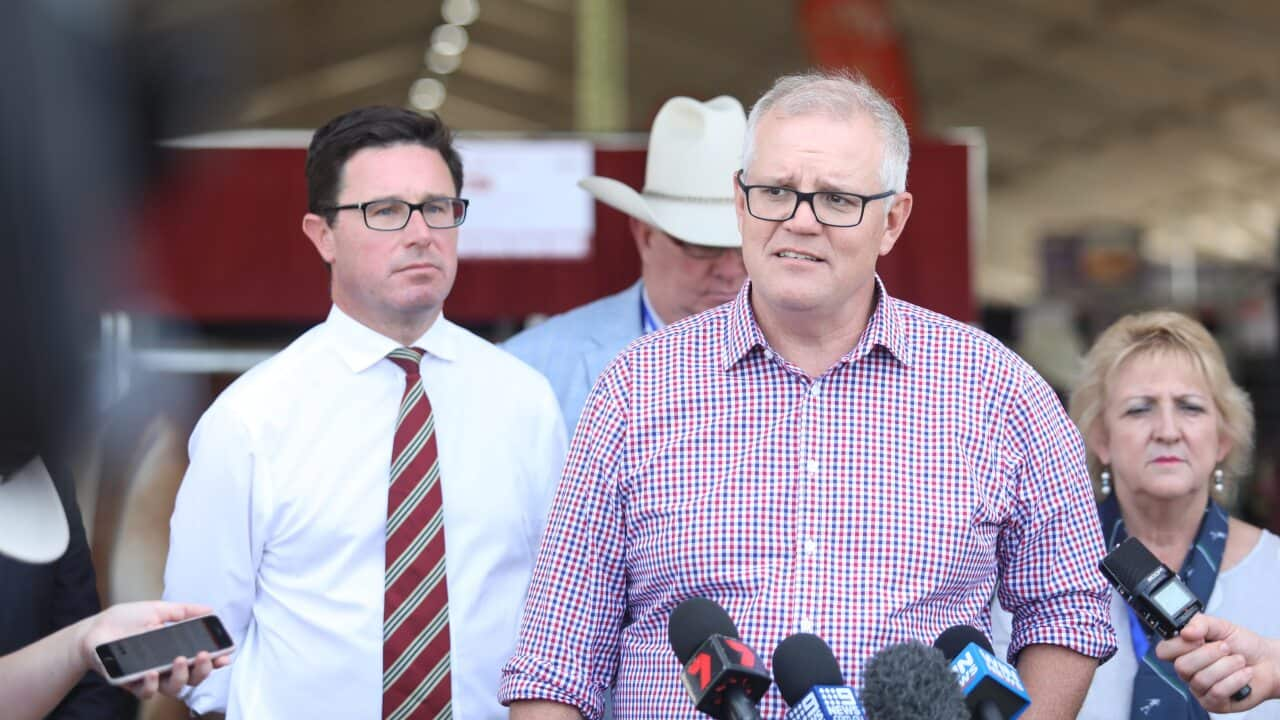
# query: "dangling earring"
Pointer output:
{"type": "Point", "coordinates": [1217, 480]}
{"type": "Point", "coordinates": [1104, 481]}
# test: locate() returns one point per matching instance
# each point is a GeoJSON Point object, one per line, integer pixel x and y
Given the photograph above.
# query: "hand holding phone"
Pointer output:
{"type": "Point", "coordinates": [130, 644]}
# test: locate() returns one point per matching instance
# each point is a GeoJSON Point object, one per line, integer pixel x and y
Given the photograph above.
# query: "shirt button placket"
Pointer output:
{"type": "Point", "coordinates": [807, 550]}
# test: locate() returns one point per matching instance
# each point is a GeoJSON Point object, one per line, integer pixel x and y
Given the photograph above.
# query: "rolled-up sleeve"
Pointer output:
{"type": "Point", "coordinates": [1051, 544]}
{"type": "Point", "coordinates": [568, 646]}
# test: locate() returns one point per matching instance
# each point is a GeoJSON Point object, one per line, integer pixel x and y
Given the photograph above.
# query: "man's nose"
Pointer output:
{"type": "Point", "coordinates": [417, 228]}
{"type": "Point", "coordinates": [805, 217]}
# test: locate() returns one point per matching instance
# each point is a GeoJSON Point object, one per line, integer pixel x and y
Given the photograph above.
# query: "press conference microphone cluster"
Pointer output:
{"type": "Point", "coordinates": [809, 678]}
{"type": "Point", "coordinates": [992, 688]}
{"type": "Point", "coordinates": [722, 675]}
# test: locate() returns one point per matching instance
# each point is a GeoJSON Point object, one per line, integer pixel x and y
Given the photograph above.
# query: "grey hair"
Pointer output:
{"type": "Point", "coordinates": [839, 94]}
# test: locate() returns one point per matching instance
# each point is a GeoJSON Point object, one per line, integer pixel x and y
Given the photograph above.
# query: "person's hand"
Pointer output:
{"type": "Point", "coordinates": [131, 618]}
{"type": "Point", "coordinates": [1216, 658]}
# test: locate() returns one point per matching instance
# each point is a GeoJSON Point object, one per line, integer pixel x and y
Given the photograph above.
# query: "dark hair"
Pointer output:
{"type": "Point", "coordinates": [372, 126]}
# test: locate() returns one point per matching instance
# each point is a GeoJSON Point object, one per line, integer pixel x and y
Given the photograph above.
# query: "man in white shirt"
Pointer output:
{"type": "Point", "coordinates": [282, 522]}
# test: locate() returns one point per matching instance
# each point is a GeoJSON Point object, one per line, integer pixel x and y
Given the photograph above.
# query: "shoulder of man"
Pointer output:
{"type": "Point", "coordinates": [495, 366]}
{"type": "Point", "coordinates": [617, 312]}
{"type": "Point", "coordinates": [273, 379]}
{"type": "Point", "coordinates": [924, 327]}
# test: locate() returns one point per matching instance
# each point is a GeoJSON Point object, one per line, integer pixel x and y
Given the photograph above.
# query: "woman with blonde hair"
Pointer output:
{"type": "Point", "coordinates": [1167, 433]}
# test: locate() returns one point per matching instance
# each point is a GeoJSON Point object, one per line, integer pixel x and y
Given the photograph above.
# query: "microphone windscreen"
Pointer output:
{"type": "Point", "coordinates": [1130, 562]}
{"type": "Point", "coordinates": [695, 620]}
{"type": "Point", "coordinates": [956, 638]}
{"type": "Point", "coordinates": [911, 681]}
{"type": "Point", "coordinates": [802, 661]}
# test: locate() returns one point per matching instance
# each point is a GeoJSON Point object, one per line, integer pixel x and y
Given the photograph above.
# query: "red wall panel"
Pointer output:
{"type": "Point", "coordinates": [221, 241]}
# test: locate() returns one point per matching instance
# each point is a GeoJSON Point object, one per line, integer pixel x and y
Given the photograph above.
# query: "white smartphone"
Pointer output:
{"type": "Point", "coordinates": [129, 658]}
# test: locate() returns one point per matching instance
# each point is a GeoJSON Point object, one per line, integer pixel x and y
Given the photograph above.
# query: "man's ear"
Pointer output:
{"type": "Point", "coordinates": [739, 201]}
{"type": "Point", "coordinates": [642, 233]}
{"type": "Point", "coordinates": [317, 229]}
{"type": "Point", "coordinates": [895, 221]}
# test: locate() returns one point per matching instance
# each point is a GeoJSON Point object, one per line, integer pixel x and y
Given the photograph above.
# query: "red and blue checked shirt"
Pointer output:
{"type": "Point", "coordinates": [883, 501]}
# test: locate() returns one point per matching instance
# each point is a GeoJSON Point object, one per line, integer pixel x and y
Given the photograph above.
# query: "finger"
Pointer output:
{"type": "Point", "coordinates": [1171, 650]}
{"type": "Point", "coordinates": [200, 669]}
{"type": "Point", "coordinates": [173, 612]}
{"type": "Point", "coordinates": [1214, 628]}
{"type": "Point", "coordinates": [138, 688]}
{"type": "Point", "coordinates": [1198, 659]}
{"type": "Point", "coordinates": [147, 686]}
{"type": "Point", "coordinates": [1219, 696]}
{"type": "Point", "coordinates": [1204, 680]}
{"type": "Point", "coordinates": [1195, 629]}
{"type": "Point", "coordinates": [177, 677]}
{"type": "Point", "coordinates": [221, 661]}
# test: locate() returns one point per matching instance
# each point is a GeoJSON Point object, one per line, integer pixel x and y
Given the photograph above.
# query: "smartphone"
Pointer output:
{"type": "Point", "coordinates": [129, 658]}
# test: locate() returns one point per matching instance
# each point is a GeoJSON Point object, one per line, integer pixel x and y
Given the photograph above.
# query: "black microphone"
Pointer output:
{"type": "Point", "coordinates": [810, 681]}
{"type": "Point", "coordinates": [911, 681]}
{"type": "Point", "coordinates": [991, 686]}
{"type": "Point", "coordinates": [1156, 593]}
{"type": "Point", "coordinates": [723, 676]}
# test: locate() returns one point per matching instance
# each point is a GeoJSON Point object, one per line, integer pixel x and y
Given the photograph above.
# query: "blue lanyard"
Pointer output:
{"type": "Point", "coordinates": [1138, 635]}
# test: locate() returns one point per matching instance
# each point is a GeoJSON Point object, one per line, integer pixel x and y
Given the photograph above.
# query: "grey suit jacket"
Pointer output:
{"type": "Point", "coordinates": [571, 349]}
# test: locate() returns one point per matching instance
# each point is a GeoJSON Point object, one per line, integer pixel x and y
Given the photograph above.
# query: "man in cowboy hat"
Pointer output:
{"type": "Point", "coordinates": [686, 233]}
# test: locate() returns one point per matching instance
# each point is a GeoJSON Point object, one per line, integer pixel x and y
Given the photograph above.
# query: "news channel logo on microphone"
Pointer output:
{"type": "Point", "coordinates": [827, 702]}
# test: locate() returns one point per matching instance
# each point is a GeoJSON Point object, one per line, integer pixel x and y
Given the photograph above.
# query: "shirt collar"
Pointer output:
{"type": "Point", "coordinates": [650, 321]}
{"type": "Point", "coordinates": [886, 328]}
{"type": "Point", "coordinates": [361, 347]}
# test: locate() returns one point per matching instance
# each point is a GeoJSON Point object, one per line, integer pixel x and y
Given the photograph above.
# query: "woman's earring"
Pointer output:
{"type": "Point", "coordinates": [1104, 481]}
{"type": "Point", "coordinates": [1217, 480]}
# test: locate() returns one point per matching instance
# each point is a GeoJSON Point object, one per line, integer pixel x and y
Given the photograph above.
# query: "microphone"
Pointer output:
{"type": "Point", "coordinates": [911, 681]}
{"type": "Point", "coordinates": [1155, 592]}
{"type": "Point", "coordinates": [992, 687]}
{"type": "Point", "coordinates": [722, 675]}
{"type": "Point", "coordinates": [810, 681]}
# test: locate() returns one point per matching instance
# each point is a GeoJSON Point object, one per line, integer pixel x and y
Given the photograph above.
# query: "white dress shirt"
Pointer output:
{"type": "Point", "coordinates": [280, 522]}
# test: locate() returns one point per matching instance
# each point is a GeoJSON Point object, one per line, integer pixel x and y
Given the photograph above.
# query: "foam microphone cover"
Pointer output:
{"type": "Point", "coordinates": [911, 681]}
{"type": "Point", "coordinates": [695, 620]}
{"type": "Point", "coordinates": [802, 661]}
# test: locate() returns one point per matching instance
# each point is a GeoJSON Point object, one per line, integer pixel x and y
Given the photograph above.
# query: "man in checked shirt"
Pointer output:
{"type": "Point", "coordinates": [816, 456]}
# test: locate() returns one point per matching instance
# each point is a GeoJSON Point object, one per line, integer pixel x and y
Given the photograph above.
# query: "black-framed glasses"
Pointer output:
{"type": "Point", "coordinates": [389, 215]}
{"type": "Point", "coordinates": [779, 204]}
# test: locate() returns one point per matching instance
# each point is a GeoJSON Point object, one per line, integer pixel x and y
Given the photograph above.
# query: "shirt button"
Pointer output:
{"type": "Point", "coordinates": [811, 467]}
{"type": "Point", "coordinates": [810, 547]}
{"type": "Point", "coordinates": [814, 389]}
{"type": "Point", "coordinates": [806, 625]}
{"type": "Point", "coordinates": [768, 354]}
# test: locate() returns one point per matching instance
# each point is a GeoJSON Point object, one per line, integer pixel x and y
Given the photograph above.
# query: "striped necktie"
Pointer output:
{"type": "Point", "coordinates": [415, 624]}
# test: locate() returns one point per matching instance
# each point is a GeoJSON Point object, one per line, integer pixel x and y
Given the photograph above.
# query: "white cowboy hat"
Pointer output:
{"type": "Point", "coordinates": [33, 525]}
{"type": "Point", "coordinates": [694, 149]}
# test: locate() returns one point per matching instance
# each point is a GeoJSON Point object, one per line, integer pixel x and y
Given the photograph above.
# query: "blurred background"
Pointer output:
{"type": "Point", "coordinates": [1072, 162]}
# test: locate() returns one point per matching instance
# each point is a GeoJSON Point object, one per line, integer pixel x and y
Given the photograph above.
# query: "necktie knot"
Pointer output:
{"type": "Point", "coordinates": [408, 358]}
